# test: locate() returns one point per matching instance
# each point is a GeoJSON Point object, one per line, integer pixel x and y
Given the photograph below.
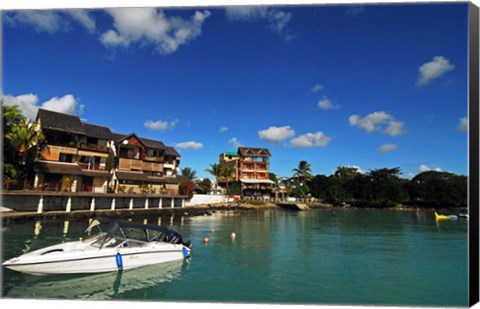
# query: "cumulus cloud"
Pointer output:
{"type": "Point", "coordinates": [316, 88]}
{"type": "Point", "coordinates": [235, 142]}
{"type": "Point", "coordinates": [189, 145]}
{"type": "Point", "coordinates": [28, 104]}
{"type": "Point", "coordinates": [463, 125]}
{"type": "Point", "coordinates": [277, 19]}
{"type": "Point", "coordinates": [67, 104]}
{"type": "Point", "coordinates": [223, 129]}
{"type": "Point", "coordinates": [387, 147]}
{"type": "Point", "coordinates": [150, 26]}
{"type": "Point", "coordinates": [160, 125]}
{"type": "Point", "coordinates": [425, 168]}
{"type": "Point", "coordinates": [433, 70]}
{"type": "Point", "coordinates": [50, 21]}
{"type": "Point", "coordinates": [378, 121]}
{"type": "Point", "coordinates": [326, 104]}
{"type": "Point", "coordinates": [276, 134]}
{"type": "Point", "coordinates": [318, 139]}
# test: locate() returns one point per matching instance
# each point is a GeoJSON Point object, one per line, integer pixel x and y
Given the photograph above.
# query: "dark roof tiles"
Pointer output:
{"type": "Point", "coordinates": [72, 124]}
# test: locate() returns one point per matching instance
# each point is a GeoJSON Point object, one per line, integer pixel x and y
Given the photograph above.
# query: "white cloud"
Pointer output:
{"type": "Point", "coordinates": [277, 19]}
{"type": "Point", "coordinates": [234, 141]}
{"type": "Point", "coordinates": [50, 21]}
{"type": "Point", "coordinates": [223, 129]}
{"type": "Point", "coordinates": [160, 125]}
{"type": "Point", "coordinates": [387, 147]}
{"type": "Point", "coordinates": [150, 26]}
{"type": "Point", "coordinates": [327, 104]}
{"type": "Point", "coordinates": [378, 121]}
{"type": "Point", "coordinates": [67, 104]}
{"type": "Point", "coordinates": [189, 145]}
{"type": "Point", "coordinates": [463, 125]}
{"type": "Point", "coordinates": [425, 168]}
{"type": "Point", "coordinates": [433, 69]}
{"type": "Point", "coordinates": [28, 104]}
{"type": "Point", "coordinates": [276, 134]}
{"type": "Point", "coordinates": [82, 17]}
{"type": "Point", "coordinates": [316, 88]}
{"type": "Point", "coordinates": [318, 139]}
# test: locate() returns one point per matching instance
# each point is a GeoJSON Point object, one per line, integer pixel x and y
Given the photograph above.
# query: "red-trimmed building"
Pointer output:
{"type": "Point", "coordinates": [251, 170]}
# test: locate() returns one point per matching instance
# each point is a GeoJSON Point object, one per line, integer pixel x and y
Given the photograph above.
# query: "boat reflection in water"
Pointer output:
{"type": "Point", "coordinates": [98, 286]}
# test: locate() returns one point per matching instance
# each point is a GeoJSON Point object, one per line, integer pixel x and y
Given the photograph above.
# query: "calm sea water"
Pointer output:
{"type": "Point", "coordinates": [315, 257]}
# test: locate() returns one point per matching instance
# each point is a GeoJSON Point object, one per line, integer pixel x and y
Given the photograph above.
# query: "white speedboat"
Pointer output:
{"type": "Point", "coordinates": [145, 244]}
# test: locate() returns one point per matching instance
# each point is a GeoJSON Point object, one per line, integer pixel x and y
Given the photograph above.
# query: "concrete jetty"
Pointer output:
{"type": "Point", "coordinates": [294, 206]}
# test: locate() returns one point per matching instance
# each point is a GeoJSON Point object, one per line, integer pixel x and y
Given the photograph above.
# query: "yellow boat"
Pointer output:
{"type": "Point", "coordinates": [443, 217]}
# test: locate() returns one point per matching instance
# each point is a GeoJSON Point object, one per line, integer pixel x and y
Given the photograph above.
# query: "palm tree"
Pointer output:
{"type": "Point", "coordinates": [25, 139]}
{"type": "Point", "coordinates": [189, 173]}
{"type": "Point", "coordinates": [12, 115]}
{"type": "Point", "coordinates": [215, 170]}
{"type": "Point", "coordinates": [303, 172]}
{"type": "Point", "coordinates": [226, 172]}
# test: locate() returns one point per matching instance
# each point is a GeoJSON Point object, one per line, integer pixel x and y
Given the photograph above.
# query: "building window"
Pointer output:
{"type": "Point", "coordinates": [65, 157]}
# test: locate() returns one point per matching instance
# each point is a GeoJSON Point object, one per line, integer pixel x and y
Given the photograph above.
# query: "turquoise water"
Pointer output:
{"type": "Point", "coordinates": [364, 257]}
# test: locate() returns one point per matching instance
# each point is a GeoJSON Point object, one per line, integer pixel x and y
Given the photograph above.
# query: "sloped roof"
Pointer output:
{"type": "Point", "coordinates": [150, 143]}
{"type": "Point", "coordinates": [254, 152]}
{"type": "Point", "coordinates": [59, 121]}
{"type": "Point", "coordinates": [96, 131]}
{"type": "Point", "coordinates": [171, 152]}
{"type": "Point", "coordinates": [71, 124]}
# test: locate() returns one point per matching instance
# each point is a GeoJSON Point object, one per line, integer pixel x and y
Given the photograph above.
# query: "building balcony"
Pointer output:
{"type": "Point", "coordinates": [93, 147]}
{"type": "Point", "coordinates": [169, 165]}
{"type": "Point", "coordinates": [130, 164]}
{"type": "Point", "coordinates": [92, 166]}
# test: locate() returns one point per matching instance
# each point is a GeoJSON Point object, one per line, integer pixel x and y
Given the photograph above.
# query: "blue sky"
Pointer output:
{"type": "Point", "coordinates": [370, 86]}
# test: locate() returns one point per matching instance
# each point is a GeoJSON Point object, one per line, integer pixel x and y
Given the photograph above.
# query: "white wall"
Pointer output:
{"type": "Point", "coordinates": [199, 199]}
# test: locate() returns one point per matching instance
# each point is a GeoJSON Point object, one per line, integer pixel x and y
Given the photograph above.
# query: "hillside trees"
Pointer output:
{"type": "Point", "coordinates": [385, 188]}
{"type": "Point", "coordinates": [434, 189]}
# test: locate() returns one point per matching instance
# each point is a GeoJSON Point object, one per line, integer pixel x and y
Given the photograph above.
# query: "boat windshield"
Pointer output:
{"type": "Point", "coordinates": [94, 237]}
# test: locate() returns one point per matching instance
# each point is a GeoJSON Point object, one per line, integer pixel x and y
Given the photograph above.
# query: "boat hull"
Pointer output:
{"type": "Point", "coordinates": [96, 261]}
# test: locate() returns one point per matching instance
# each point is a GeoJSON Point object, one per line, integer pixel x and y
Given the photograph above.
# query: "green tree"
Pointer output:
{"type": "Point", "coordinates": [189, 173]}
{"type": "Point", "coordinates": [215, 170]}
{"type": "Point", "coordinates": [205, 185]}
{"type": "Point", "coordinates": [303, 172]}
{"type": "Point", "coordinates": [22, 141]}
{"type": "Point", "coordinates": [438, 189]}
{"type": "Point", "coordinates": [384, 188]}
{"type": "Point", "coordinates": [226, 173]}
{"type": "Point", "coordinates": [25, 139]}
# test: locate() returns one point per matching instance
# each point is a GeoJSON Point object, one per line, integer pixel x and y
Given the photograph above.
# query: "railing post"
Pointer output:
{"type": "Point", "coordinates": [40, 205]}
{"type": "Point", "coordinates": [69, 204]}
{"type": "Point", "coordinates": [113, 204]}
{"type": "Point", "coordinates": [92, 204]}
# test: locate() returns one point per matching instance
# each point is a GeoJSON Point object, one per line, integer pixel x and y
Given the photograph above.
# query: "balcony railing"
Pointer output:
{"type": "Point", "coordinates": [92, 166]}
{"type": "Point", "coordinates": [129, 164]}
{"type": "Point", "coordinates": [93, 147]}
